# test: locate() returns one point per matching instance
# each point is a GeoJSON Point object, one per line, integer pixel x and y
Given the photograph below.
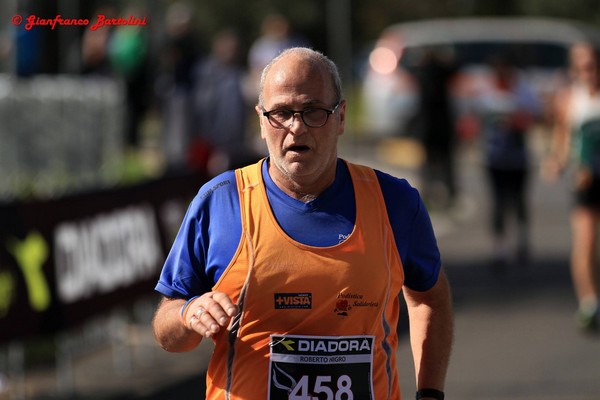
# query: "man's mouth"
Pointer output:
{"type": "Point", "coordinates": [298, 148]}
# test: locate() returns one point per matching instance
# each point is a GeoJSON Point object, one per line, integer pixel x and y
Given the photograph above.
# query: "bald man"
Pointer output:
{"type": "Point", "coordinates": [293, 266]}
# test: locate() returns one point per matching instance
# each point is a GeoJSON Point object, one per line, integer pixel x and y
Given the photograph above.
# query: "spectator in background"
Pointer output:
{"type": "Point", "coordinates": [434, 125]}
{"type": "Point", "coordinates": [128, 50]}
{"type": "Point", "coordinates": [507, 110]}
{"type": "Point", "coordinates": [94, 47]}
{"type": "Point", "coordinates": [6, 48]}
{"type": "Point", "coordinates": [28, 47]}
{"type": "Point", "coordinates": [276, 36]}
{"type": "Point", "coordinates": [174, 86]}
{"type": "Point", "coordinates": [576, 136]}
{"type": "Point", "coordinates": [219, 110]}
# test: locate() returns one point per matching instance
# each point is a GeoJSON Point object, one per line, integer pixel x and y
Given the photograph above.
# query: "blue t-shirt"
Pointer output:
{"type": "Point", "coordinates": [211, 230]}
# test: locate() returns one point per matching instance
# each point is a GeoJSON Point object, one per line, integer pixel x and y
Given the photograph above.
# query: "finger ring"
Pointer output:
{"type": "Point", "coordinates": [199, 312]}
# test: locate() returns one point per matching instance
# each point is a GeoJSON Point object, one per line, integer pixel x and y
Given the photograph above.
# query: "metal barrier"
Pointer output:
{"type": "Point", "coordinates": [59, 134]}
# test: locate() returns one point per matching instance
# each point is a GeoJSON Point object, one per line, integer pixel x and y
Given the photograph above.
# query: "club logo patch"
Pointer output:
{"type": "Point", "coordinates": [347, 301]}
{"type": "Point", "coordinates": [342, 307]}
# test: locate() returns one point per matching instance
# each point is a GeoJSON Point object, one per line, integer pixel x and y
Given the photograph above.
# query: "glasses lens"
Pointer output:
{"type": "Point", "coordinates": [280, 117]}
{"type": "Point", "coordinates": [315, 117]}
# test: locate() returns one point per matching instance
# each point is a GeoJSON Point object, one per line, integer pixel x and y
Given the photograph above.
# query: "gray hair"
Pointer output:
{"type": "Point", "coordinates": [313, 56]}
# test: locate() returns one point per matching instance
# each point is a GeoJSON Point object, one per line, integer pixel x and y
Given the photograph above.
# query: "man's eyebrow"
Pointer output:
{"type": "Point", "coordinates": [304, 104]}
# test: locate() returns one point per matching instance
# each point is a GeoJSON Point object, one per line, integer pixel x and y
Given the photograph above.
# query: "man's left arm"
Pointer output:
{"type": "Point", "coordinates": [431, 330]}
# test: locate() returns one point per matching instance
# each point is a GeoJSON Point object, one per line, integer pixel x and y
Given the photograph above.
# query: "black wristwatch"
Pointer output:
{"type": "Point", "coordinates": [433, 393]}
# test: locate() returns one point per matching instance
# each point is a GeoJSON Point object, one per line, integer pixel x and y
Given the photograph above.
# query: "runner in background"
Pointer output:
{"type": "Point", "coordinates": [576, 140]}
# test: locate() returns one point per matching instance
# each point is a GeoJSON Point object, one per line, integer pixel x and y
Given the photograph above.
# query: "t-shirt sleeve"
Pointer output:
{"type": "Point", "coordinates": [413, 232]}
{"type": "Point", "coordinates": [192, 266]}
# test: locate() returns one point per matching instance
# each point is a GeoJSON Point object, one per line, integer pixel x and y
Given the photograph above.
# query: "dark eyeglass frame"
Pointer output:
{"type": "Point", "coordinates": [278, 125]}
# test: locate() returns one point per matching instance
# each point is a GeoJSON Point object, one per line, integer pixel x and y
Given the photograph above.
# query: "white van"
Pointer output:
{"type": "Point", "coordinates": [390, 92]}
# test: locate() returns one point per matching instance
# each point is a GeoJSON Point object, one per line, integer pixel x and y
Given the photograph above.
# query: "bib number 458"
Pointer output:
{"type": "Point", "coordinates": [323, 384]}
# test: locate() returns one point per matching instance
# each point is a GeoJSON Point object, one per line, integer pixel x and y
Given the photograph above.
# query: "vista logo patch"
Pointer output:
{"type": "Point", "coordinates": [293, 300]}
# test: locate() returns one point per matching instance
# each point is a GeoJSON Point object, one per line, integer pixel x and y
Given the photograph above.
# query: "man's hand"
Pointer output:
{"type": "Point", "coordinates": [178, 330]}
{"type": "Point", "coordinates": [206, 314]}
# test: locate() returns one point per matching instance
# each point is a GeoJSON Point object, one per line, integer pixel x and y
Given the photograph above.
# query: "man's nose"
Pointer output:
{"type": "Point", "coordinates": [296, 128]}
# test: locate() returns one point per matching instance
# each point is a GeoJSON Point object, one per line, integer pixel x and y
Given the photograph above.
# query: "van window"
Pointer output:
{"type": "Point", "coordinates": [526, 55]}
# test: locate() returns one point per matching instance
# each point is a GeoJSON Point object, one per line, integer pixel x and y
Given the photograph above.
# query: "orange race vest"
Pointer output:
{"type": "Point", "coordinates": [315, 322]}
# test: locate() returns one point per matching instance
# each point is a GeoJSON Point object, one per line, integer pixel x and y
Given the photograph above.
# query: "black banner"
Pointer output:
{"type": "Point", "coordinates": [65, 260]}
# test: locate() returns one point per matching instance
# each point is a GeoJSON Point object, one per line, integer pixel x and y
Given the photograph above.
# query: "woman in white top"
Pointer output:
{"type": "Point", "coordinates": [576, 138]}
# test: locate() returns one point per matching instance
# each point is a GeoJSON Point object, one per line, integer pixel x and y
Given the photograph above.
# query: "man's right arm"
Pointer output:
{"type": "Point", "coordinates": [169, 330]}
{"type": "Point", "coordinates": [185, 274]}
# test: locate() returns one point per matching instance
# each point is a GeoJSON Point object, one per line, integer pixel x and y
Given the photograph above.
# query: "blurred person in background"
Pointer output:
{"type": "Point", "coordinates": [28, 47]}
{"type": "Point", "coordinates": [507, 110]}
{"type": "Point", "coordinates": [294, 265]}
{"type": "Point", "coordinates": [434, 125]}
{"type": "Point", "coordinates": [174, 85]}
{"type": "Point", "coordinates": [576, 139]}
{"type": "Point", "coordinates": [95, 46]}
{"type": "Point", "coordinates": [128, 55]}
{"type": "Point", "coordinates": [219, 110]}
{"type": "Point", "coordinates": [276, 36]}
{"type": "Point", "coordinates": [5, 51]}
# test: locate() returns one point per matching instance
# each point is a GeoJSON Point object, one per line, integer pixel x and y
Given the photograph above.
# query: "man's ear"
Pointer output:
{"type": "Point", "coordinates": [342, 111]}
{"type": "Point", "coordinates": [261, 121]}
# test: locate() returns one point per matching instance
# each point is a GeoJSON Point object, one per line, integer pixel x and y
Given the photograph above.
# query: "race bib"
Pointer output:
{"type": "Point", "coordinates": [321, 367]}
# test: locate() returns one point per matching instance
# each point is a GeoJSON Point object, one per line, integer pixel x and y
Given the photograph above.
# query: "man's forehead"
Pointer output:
{"type": "Point", "coordinates": [295, 68]}
{"type": "Point", "coordinates": [304, 78]}
{"type": "Point", "coordinates": [298, 97]}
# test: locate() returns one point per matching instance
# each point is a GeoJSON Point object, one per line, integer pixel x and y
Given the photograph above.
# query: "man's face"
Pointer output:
{"type": "Point", "coordinates": [300, 153]}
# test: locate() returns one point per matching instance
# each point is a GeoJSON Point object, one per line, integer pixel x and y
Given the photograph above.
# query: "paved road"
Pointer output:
{"type": "Point", "coordinates": [515, 337]}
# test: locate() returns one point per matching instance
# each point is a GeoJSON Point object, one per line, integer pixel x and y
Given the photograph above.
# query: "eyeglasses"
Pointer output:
{"type": "Point", "coordinates": [312, 117]}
